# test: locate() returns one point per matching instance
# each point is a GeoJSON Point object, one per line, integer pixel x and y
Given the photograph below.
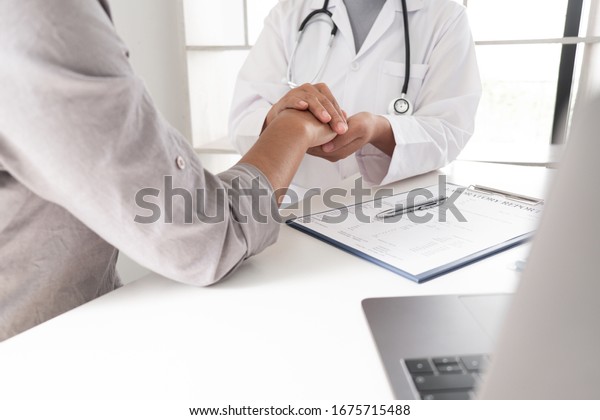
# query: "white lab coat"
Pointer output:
{"type": "Point", "coordinates": [444, 84]}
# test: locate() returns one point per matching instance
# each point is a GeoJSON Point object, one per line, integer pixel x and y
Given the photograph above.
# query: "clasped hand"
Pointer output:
{"type": "Point", "coordinates": [351, 133]}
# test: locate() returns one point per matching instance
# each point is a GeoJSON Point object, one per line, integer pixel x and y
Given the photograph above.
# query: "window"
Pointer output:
{"type": "Point", "coordinates": [218, 36]}
{"type": "Point", "coordinates": [528, 53]}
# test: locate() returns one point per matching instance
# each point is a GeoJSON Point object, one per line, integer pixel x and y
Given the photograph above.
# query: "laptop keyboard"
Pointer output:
{"type": "Point", "coordinates": [447, 378]}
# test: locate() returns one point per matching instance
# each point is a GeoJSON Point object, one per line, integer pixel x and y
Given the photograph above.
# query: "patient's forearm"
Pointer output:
{"type": "Point", "coordinates": [282, 146]}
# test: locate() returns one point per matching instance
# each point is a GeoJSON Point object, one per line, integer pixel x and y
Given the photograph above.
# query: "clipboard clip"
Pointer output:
{"type": "Point", "coordinates": [506, 194]}
{"type": "Point", "coordinates": [400, 210]}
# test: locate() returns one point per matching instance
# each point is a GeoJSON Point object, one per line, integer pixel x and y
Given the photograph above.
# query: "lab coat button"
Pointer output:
{"type": "Point", "coordinates": [180, 162]}
{"type": "Point", "coordinates": [354, 66]}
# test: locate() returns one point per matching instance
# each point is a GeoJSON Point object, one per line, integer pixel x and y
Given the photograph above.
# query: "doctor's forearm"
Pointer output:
{"type": "Point", "coordinates": [383, 135]}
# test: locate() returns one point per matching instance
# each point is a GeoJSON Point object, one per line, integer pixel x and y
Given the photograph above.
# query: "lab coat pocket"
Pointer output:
{"type": "Point", "coordinates": [391, 80]}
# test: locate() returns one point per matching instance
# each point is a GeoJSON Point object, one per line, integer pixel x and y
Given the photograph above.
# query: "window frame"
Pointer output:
{"type": "Point", "coordinates": [570, 42]}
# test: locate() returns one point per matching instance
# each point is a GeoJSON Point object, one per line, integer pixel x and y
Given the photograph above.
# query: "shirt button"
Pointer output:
{"type": "Point", "coordinates": [180, 162]}
{"type": "Point", "coordinates": [354, 66]}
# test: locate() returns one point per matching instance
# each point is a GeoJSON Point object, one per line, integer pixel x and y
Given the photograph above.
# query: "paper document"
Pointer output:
{"type": "Point", "coordinates": [465, 227]}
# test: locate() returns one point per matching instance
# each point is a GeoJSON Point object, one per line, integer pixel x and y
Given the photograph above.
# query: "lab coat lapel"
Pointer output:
{"type": "Point", "coordinates": [106, 8]}
{"type": "Point", "coordinates": [391, 9]}
{"type": "Point", "coordinates": [340, 18]}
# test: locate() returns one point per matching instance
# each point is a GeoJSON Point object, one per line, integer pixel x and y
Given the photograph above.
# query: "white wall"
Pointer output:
{"type": "Point", "coordinates": [154, 33]}
{"type": "Point", "coordinates": [590, 73]}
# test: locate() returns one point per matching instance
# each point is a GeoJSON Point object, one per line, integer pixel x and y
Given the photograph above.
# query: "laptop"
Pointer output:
{"type": "Point", "coordinates": [543, 342]}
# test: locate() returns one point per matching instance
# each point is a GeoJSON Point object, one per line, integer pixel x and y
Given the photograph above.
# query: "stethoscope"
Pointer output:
{"type": "Point", "coordinates": [398, 106]}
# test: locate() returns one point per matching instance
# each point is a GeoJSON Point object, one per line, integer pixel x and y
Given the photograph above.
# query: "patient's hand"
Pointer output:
{"type": "Point", "coordinates": [283, 144]}
{"type": "Point", "coordinates": [302, 127]}
{"type": "Point", "coordinates": [363, 128]}
{"type": "Point", "coordinates": [318, 100]}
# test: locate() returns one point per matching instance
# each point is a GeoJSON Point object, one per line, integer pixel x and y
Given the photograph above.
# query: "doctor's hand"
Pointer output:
{"type": "Point", "coordinates": [302, 128]}
{"type": "Point", "coordinates": [363, 128]}
{"type": "Point", "coordinates": [318, 100]}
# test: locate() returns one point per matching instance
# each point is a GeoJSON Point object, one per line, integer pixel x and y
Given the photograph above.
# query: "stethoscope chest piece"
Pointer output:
{"type": "Point", "coordinates": [400, 106]}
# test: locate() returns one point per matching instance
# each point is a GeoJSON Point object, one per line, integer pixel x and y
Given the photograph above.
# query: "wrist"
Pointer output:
{"type": "Point", "coordinates": [382, 136]}
{"type": "Point", "coordinates": [293, 127]}
{"type": "Point", "coordinates": [268, 118]}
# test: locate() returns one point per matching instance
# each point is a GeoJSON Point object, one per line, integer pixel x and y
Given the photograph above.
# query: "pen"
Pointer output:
{"type": "Point", "coordinates": [400, 209]}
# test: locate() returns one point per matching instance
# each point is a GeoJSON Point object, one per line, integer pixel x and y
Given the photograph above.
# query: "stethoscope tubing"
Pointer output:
{"type": "Point", "coordinates": [406, 48]}
{"type": "Point", "coordinates": [398, 106]}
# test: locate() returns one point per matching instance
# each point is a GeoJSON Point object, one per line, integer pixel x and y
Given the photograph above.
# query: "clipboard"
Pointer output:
{"type": "Point", "coordinates": [425, 243]}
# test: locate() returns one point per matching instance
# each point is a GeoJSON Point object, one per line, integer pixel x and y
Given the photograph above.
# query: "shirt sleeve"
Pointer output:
{"type": "Point", "coordinates": [444, 116]}
{"type": "Point", "coordinates": [79, 129]}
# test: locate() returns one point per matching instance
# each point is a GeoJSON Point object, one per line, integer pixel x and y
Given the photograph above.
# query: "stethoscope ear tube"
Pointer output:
{"type": "Point", "coordinates": [307, 20]}
{"type": "Point", "coordinates": [290, 77]}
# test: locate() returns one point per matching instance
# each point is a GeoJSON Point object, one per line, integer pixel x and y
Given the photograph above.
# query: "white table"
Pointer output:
{"type": "Point", "coordinates": [518, 153]}
{"type": "Point", "coordinates": [287, 325]}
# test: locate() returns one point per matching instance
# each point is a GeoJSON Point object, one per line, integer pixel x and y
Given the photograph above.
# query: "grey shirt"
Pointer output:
{"type": "Point", "coordinates": [362, 15]}
{"type": "Point", "coordinates": [79, 138]}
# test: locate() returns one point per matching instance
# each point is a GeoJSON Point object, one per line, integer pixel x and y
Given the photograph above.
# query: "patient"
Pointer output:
{"type": "Point", "coordinates": [80, 139]}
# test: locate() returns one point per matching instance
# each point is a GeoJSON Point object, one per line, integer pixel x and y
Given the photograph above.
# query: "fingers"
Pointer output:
{"type": "Point", "coordinates": [321, 111]}
{"type": "Point", "coordinates": [328, 147]}
{"type": "Point", "coordinates": [315, 151]}
{"type": "Point", "coordinates": [354, 134]}
{"type": "Point", "coordinates": [338, 143]}
{"type": "Point", "coordinates": [300, 128]}
{"type": "Point", "coordinates": [339, 147]}
{"type": "Point", "coordinates": [338, 121]}
{"type": "Point", "coordinates": [318, 100]}
{"type": "Point", "coordinates": [326, 113]}
{"type": "Point", "coordinates": [336, 155]}
{"type": "Point", "coordinates": [289, 101]}
{"type": "Point", "coordinates": [322, 104]}
{"type": "Point", "coordinates": [360, 132]}
{"type": "Point", "coordinates": [301, 105]}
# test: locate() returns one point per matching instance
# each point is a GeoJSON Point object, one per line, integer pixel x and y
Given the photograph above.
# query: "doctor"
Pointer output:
{"type": "Point", "coordinates": [348, 66]}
